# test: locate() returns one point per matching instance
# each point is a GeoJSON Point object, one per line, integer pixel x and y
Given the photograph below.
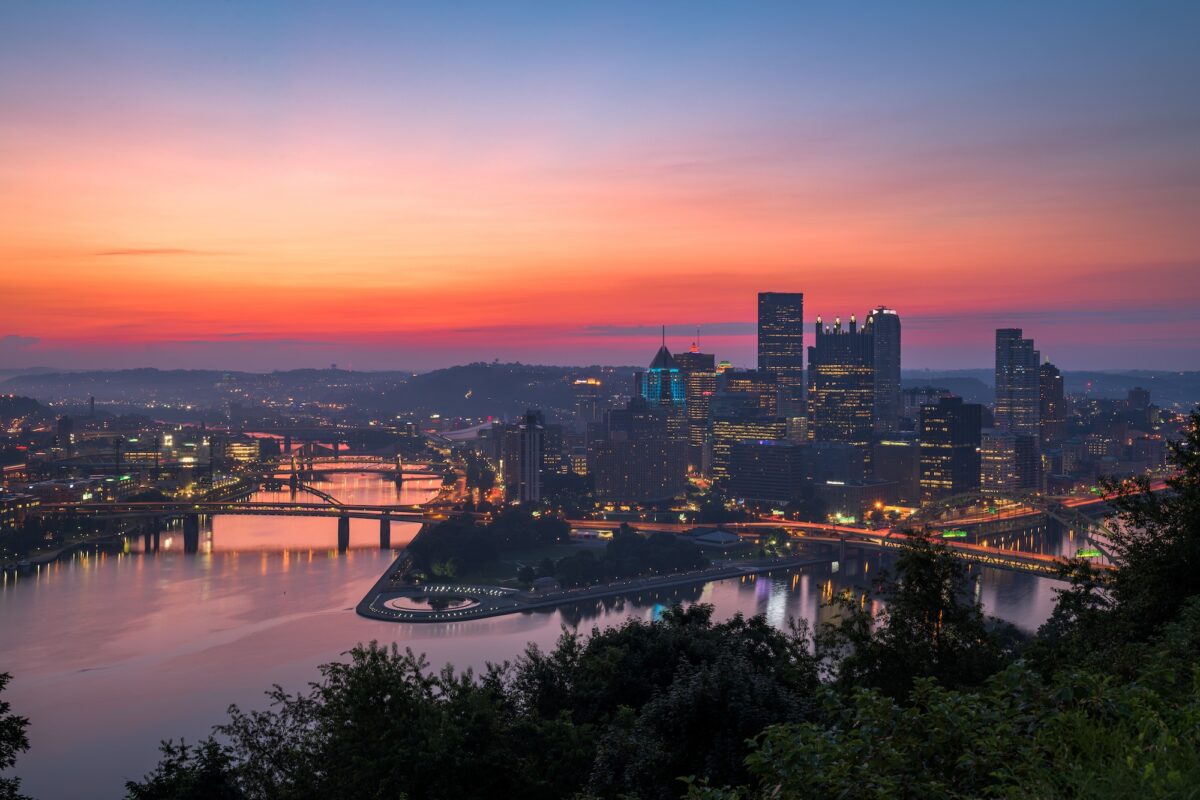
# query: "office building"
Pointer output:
{"type": "Point", "coordinates": [590, 405]}
{"type": "Point", "coordinates": [632, 456]}
{"type": "Point", "coordinates": [522, 453]}
{"type": "Point", "coordinates": [841, 386]}
{"type": "Point", "coordinates": [885, 326]}
{"type": "Point", "coordinates": [949, 447]}
{"type": "Point", "coordinates": [699, 372]}
{"type": "Point", "coordinates": [766, 470]}
{"type": "Point", "coordinates": [1008, 463]}
{"type": "Point", "coordinates": [731, 429]}
{"type": "Point", "coordinates": [1052, 407]}
{"type": "Point", "coordinates": [757, 383]}
{"type": "Point", "coordinates": [1018, 383]}
{"type": "Point", "coordinates": [896, 459]}
{"type": "Point", "coordinates": [663, 386]}
{"type": "Point", "coordinates": [781, 346]}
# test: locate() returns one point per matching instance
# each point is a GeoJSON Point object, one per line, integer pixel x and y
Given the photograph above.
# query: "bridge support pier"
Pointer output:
{"type": "Point", "coordinates": [842, 551]}
{"type": "Point", "coordinates": [343, 534]}
{"type": "Point", "coordinates": [150, 535]}
{"type": "Point", "coordinates": [385, 532]}
{"type": "Point", "coordinates": [191, 533]}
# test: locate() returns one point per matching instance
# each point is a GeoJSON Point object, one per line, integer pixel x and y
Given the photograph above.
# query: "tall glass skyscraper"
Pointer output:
{"type": "Point", "coordinates": [885, 324]}
{"type": "Point", "coordinates": [699, 372]}
{"type": "Point", "coordinates": [1018, 383]}
{"type": "Point", "coordinates": [781, 346]}
{"type": "Point", "coordinates": [841, 387]}
{"type": "Point", "coordinates": [663, 386]}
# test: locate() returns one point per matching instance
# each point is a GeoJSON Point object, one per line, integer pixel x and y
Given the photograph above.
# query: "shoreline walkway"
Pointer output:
{"type": "Point", "coordinates": [386, 600]}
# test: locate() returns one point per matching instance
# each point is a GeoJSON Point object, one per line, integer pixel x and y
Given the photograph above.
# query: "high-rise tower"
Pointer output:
{"type": "Point", "coordinates": [1018, 381]}
{"type": "Point", "coordinates": [885, 324]}
{"type": "Point", "coordinates": [699, 372]}
{"type": "Point", "coordinates": [663, 385]}
{"type": "Point", "coordinates": [781, 346]}
{"type": "Point", "coordinates": [841, 386]}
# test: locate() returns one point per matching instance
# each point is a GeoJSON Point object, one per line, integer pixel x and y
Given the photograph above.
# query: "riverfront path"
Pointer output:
{"type": "Point", "coordinates": [448, 601]}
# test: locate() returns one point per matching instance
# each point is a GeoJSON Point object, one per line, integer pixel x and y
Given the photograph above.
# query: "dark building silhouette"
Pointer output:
{"type": "Point", "coordinates": [950, 438]}
{"type": "Point", "coordinates": [841, 386]}
{"type": "Point", "coordinates": [766, 469]}
{"type": "Point", "coordinates": [1052, 411]}
{"type": "Point", "coordinates": [633, 457]}
{"type": "Point", "coordinates": [885, 326]}
{"type": "Point", "coordinates": [896, 459]}
{"type": "Point", "coordinates": [781, 346]}
{"type": "Point", "coordinates": [1018, 381]}
{"type": "Point", "coordinates": [589, 402]}
{"type": "Point", "coordinates": [522, 454]}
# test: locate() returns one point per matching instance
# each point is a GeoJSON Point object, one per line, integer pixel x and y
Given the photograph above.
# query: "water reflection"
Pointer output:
{"type": "Point", "coordinates": [115, 649]}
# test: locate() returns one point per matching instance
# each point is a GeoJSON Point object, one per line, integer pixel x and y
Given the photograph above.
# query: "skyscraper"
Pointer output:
{"type": "Point", "coordinates": [841, 386]}
{"type": "Point", "coordinates": [781, 346]}
{"type": "Point", "coordinates": [951, 431]}
{"type": "Point", "coordinates": [662, 385]}
{"type": "Point", "coordinates": [1052, 411]}
{"type": "Point", "coordinates": [885, 324]}
{"type": "Point", "coordinates": [529, 489]}
{"type": "Point", "coordinates": [699, 372]}
{"type": "Point", "coordinates": [1018, 387]}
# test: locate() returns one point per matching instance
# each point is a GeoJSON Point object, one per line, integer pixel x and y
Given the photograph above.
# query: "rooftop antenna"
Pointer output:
{"type": "Point", "coordinates": [696, 343]}
{"type": "Point", "coordinates": [664, 335]}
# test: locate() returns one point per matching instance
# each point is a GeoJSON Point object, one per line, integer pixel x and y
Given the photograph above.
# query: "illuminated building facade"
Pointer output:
{"type": "Point", "coordinates": [950, 433]}
{"type": "Point", "coordinates": [841, 387]}
{"type": "Point", "coordinates": [699, 372]}
{"type": "Point", "coordinates": [1018, 383]}
{"type": "Point", "coordinates": [663, 385]}
{"type": "Point", "coordinates": [759, 384]}
{"type": "Point", "coordinates": [781, 346]}
{"type": "Point", "coordinates": [885, 326]}
{"type": "Point", "coordinates": [1008, 463]}
{"type": "Point", "coordinates": [728, 430]}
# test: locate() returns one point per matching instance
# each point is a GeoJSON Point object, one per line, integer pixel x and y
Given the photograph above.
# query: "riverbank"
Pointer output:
{"type": "Point", "coordinates": [449, 601]}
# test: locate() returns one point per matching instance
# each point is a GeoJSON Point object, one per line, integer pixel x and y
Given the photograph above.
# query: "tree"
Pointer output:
{"type": "Point", "coordinates": [929, 625]}
{"type": "Point", "coordinates": [1156, 544]}
{"type": "Point", "coordinates": [13, 740]}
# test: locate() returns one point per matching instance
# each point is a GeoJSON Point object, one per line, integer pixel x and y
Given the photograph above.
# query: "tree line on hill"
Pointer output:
{"type": "Point", "coordinates": [924, 697]}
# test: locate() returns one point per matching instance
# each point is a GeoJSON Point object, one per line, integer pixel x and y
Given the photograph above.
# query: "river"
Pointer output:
{"type": "Point", "coordinates": [110, 653]}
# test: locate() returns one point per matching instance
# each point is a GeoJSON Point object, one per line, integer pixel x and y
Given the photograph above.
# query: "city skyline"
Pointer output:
{"type": "Point", "coordinates": [234, 187]}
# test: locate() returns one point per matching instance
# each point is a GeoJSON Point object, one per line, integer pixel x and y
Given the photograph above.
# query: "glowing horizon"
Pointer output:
{"type": "Point", "coordinates": [269, 186]}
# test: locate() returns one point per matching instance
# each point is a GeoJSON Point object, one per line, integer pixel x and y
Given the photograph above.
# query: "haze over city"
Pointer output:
{"type": "Point", "coordinates": [396, 186]}
{"type": "Point", "coordinates": [655, 400]}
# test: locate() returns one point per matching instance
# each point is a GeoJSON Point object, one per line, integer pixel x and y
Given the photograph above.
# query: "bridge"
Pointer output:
{"type": "Point", "coordinates": [300, 463]}
{"type": "Point", "coordinates": [884, 539]}
{"type": "Point", "coordinates": [191, 511]}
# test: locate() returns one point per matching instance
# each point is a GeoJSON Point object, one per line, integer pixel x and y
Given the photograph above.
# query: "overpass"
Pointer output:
{"type": "Point", "coordinates": [885, 539]}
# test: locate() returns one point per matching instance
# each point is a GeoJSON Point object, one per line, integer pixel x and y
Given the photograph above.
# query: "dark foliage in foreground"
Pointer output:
{"type": "Point", "coordinates": [927, 698]}
{"type": "Point", "coordinates": [13, 740]}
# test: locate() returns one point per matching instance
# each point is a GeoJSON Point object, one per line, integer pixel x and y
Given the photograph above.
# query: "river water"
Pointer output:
{"type": "Point", "coordinates": [111, 653]}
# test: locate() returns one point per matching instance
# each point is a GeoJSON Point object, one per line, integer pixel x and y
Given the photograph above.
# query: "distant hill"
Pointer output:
{"type": "Point", "coordinates": [502, 390]}
{"type": "Point", "coordinates": [1167, 389]}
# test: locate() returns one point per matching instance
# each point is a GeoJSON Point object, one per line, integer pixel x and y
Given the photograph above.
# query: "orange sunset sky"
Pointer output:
{"type": "Point", "coordinates": [384, 186]}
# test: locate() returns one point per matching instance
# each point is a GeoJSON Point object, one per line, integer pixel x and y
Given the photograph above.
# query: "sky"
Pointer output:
{"type": "Point", "coordinates": [383, 185]}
